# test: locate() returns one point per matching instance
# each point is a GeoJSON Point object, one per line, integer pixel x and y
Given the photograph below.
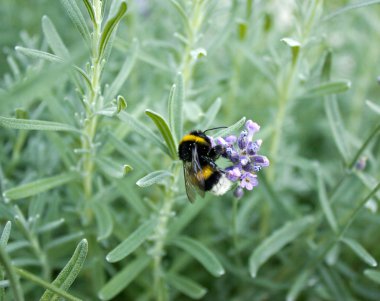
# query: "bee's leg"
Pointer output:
{"type": "Point", "coordinates": [210, 162]}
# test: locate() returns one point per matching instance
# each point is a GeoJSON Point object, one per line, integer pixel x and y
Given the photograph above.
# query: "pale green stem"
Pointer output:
{"type": "Point", "coordinates": [160, 234]}
{"type": "Point", "coordinates": [93, 99]}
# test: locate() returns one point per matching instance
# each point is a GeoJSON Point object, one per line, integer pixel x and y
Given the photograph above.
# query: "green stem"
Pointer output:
{"type": "Point", "coordinates": [364, 146]}
{"type": "Point", "coordinates": [160, 235]}
{"type": "Point", "coordinates": [13, 279]}
{"type": "Point", "coordinates": [93, 103]}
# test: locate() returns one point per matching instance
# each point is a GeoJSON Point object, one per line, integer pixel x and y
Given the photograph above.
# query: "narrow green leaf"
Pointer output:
{"type": "Point", "coordinates": [163, 127]}
{"type": "Point", "coordinates": [46, 285]}
{"type": "Point", "coordinates": [175, 108]}
{"type": "Point", "coordinates": [374, 107]}
{"type": "Point", "coordinates": [133, 157]}
{"type": "Point", "coordinates": [351, 7]}
{"type": "Point", "coordinates": [90, 11]}
{"type": "Point", "coordinates": [77, 18]}
{"type": "Point", "coordinates": [103, 218]}
{"type": "Point", "coordinates": [210, 115]}
{"type": "Point", "coordinates": [53, 38]}
{"type": "Point", "coordinates": [200, 253]}
{"type": "Point", "coordinates": [143, 130]}
{"type": "Point", "coordinates": [182, 14]}
{"type": "Point", "coordinates": [186, 286]}
{"type": "Point", "coordinates": [129, 194]}
{"type": "Point", "coordinates": [360, 251]}
{"type": "Point", "coordinates": [110, 168]}
{"type": "Point", "coordinates": [325, 203]}
{"type": "Point", "coordinates": [276, 241]}
{"type": "Point", "coordinates": [337, 126]}
{"type": "Point", "coordinates": [298, 285]}
{"type": "Point", "coordinates": [122, 279]}
{"type": "Point", "coordinates": [230, 129]}
{"type": "Point", "coordinates": [39, 186]}
{"type": "Point", "coordinates": [9, 268]}
{"type": "Point", "coordinates": [5, 234]}
{"type": "Point", "coordinates": [373, 275]}
{"type": "Point", "coordinates": [132, 242]}
{"type": "Point", "coordinates": [324, 89]}
{"type": "Point", "coordinates": [154, 178]}
{"type": "Point", "coordinates": [123, 74]}
{"type": "Point", "coordinates": [110, 27]}
{"type": "Point", "coordinates": [51, 226]}
{"type": "Point", "coordinates": [38, 125]}
{"type": "Point", "coordinates": [69, 273]}
{"type": "Point", "coordinates": [34, 53]}
{"type": "Point", "coordinates": [63, 240]}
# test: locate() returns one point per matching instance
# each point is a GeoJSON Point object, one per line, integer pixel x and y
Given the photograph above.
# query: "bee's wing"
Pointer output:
{"type": "Point", "coordinates": [194, 180]}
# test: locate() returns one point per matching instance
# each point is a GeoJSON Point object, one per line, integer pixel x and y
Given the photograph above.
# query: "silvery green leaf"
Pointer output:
{"type": "Point", "coordinates": [324, 201]}
{"type": "Point", "coordinates": [175, 108]}
{"type": "Point", "coordinates": [155, 177]}
{"type": "Point", "coordinates": [90, 11]}
{"type": "Point", "coordinates": [38, 186]}
{"type": "Point", "coordinates": [69, 273]}
{"type": "Point", "coordinates": [143, 130]}
{"type": "Point", "coordinates": [123, 74]}
{"type": "Point", "coordinates": [360, 251]}
{"type": "Point", "coordinates": [201, 253]}
{"type": "Point", "coordinates": [5, 234]}
{"type": "Point", "coordinates": [51, 226]}
{"type": "Point", "coordinates": [132, 156]}
{"type": "Point", "coordinates": [77, 18]}
{"type": "Point", "coordinates": [63, 240]}
{"type": "Point", "coordinates": [109, 28]}
{"type": "Point", "coordinates": [298, 285]}
{"type": "Point", "coordinates": [132, 242]}
{"type": "Point", "coordinates": [38, 125]}
{"type": "Point", "coordinates": [209, 116]}
{"type": "Point", "coordinates": [123, 278]}
{"type": "Point", "coordinates": [333, 87]}
{"type": "Point", "coordinates": [38, 54]}
{"type": "Point", "coordinates": [53, 38]}
{"type": "Point", "coordinates": [164, 129]}
{"type": "Point", "coordinates": [9, 268]}
{"type": "Point", "coordinates": [52, 288]}
{"type": "Point", "coordinates": [374, 107]}
{"type": "Point", "coordinates": [111, 168]}
{"type": "Point", "coordinates": [276, 241]}
{"type": "Point", "coordinates": [236, 126]}
{"type": "Point", "coordinates": [103, 218]}
{"type": "Point", "coordinates": [349, 7]}
{"type": "Point", "coordinates": [186, 286]}
{"type": "Point", "coordinates": [373, 275]}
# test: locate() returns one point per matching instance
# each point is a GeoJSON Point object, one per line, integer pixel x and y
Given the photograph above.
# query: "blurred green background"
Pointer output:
{"type": "Point", "coordinates": [315, 95]}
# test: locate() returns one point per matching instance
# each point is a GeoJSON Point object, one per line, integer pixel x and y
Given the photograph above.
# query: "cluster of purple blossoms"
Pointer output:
{"type": "Point", "coordinates": [242, 152]}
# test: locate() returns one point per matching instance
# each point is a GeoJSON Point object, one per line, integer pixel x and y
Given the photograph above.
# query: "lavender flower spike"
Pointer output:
{"type": "Point", "coordinates": [243, 153]}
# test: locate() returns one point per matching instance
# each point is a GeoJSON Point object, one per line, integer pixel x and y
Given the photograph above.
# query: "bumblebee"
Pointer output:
{"type": "Point", "coordinates": [200, 170]}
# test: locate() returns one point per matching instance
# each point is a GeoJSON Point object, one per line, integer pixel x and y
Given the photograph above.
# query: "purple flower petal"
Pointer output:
{"type": "Point", "coordinates": [212, 140]}
{"type": "Point", "coordinates": [252, 128]}
{"type": "Point", "coordinates": [232, 154]}
{"type": "Point", "coordinates": [260, 160]}
{"type": "Point", "coordinates": [253, 147]}
{"type": "Point", "coordinates": [248, 181]}
{"type": "Point", "coordinates": [242, 140]}
{"type": "Point", "coordinates": [233, 173]}
{"type": "Point", "coordinates": [230, 140]}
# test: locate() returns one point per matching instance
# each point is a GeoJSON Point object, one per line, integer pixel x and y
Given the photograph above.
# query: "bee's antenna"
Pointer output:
{"type": "Point", "coordinates": [219, 127]}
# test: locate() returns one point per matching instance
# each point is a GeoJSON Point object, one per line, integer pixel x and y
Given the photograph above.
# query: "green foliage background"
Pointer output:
{"type": "Point", "coordinates": [76, 140]}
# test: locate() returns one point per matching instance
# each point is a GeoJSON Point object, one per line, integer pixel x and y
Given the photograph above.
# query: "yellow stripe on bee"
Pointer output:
{"type": "Point", "coordinates": [193, 138]}
{"type": "Point", "coordinates": [206, 172]}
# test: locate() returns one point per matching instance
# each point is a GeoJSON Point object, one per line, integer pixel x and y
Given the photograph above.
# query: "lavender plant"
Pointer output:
{"type": "Point", "coordinates": [94, 99]}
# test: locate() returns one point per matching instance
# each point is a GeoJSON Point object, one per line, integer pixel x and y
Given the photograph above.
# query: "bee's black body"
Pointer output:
{"type": "Point", "coordinates": [200, 170]}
